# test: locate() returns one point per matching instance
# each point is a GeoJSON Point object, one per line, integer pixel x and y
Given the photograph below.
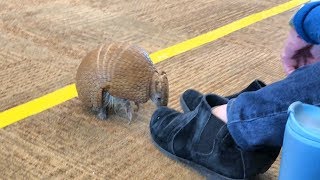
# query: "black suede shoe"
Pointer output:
{"type": "Point", "coordinates": [190, 99]}
{"type": "Point", "coordinates": [203, 142]}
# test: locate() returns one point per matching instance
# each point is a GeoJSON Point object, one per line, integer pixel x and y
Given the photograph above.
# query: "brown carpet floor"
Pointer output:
{"type": "Point", "coordinates": [42, 43]}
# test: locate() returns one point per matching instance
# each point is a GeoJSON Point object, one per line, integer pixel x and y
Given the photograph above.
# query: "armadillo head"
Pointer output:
{"type": "Point", "coordinates": [159, 93]}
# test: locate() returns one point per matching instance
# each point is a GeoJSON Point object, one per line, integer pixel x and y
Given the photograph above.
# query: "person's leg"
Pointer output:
{"type": "Point", "coordinates": [257, 119]}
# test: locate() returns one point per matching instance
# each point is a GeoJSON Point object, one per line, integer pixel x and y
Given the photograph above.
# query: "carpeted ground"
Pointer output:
{"type": "Point", "coordinates": [42, 43]}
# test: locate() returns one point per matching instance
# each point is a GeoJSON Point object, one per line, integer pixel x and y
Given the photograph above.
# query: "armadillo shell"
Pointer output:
{"type": "Point", "coordinates": [123, 70]}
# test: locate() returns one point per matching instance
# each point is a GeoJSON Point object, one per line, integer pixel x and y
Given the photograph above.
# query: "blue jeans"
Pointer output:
{"type": "Point", "coordinates": [257, 119]}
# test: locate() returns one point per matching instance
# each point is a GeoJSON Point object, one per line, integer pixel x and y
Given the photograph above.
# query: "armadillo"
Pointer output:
{"type": "Point", "coordinates": [117, 74]}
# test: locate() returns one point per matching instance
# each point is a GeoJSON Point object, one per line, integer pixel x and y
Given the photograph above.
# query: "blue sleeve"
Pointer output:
{"type": "Point", "coordinates": [307, 22]}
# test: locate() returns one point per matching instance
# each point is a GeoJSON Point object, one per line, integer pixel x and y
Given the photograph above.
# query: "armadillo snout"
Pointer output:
{"type": "Point", "coordinates": [160, 101]}
{"type": "Point", "coordinates": [163, 102]}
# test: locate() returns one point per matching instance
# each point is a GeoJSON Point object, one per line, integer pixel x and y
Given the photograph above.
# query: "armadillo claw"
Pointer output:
{"type": "Point", "coordinates": [129, 111]}
{"type": "Point", "coordinates": [138, 107]}
{"type": "Point", "coordinates": [102, 114]}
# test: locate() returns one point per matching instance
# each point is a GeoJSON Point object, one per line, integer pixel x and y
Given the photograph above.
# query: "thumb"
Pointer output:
{"type": "Point", "coordinates": [290, 71]}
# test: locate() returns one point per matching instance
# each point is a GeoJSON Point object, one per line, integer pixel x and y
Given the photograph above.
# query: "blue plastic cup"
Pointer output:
{"type": "Point", "coordinates": [301, 145]}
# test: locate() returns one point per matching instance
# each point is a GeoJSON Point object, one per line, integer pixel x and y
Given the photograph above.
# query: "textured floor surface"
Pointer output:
{"type": "Point", "coordinates": [42, 43]}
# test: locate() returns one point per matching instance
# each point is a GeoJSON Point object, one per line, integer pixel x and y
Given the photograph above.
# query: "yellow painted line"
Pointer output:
{"type": "Point", "coordinates": [222, 31]}
{"type": "Point", "coordinates": [59, 96]}
{"type": "Point", "coordinates": [37, 105]}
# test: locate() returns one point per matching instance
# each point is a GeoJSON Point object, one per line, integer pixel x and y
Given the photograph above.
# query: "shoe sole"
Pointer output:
{"type": "Point", "coordinates": [210, 175]}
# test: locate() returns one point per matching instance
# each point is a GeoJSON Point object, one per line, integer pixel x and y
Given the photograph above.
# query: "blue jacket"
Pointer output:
{"type": "Point", "coordinates": [307, 22]}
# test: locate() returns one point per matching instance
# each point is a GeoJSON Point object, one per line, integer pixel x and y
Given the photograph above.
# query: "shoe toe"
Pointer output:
{"type": "Point", "coordinates": [160, 119]}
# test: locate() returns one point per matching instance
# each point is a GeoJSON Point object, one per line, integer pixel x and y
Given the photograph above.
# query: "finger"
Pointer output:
{"type": "Point", "coordinates": [293, 44]}
{"type": "Point", "coordinates": [301, 61]}
{"type": "Point", "coordinates": [289, 68]}
{"type": "Point", "coordinates": [315, 54]}
{"type": "Point", "coordinates": [290, 71]}
{"type": "Point", "coordinates": [288, 52]}
{"type": "Point", "coordinates": [312, 60]}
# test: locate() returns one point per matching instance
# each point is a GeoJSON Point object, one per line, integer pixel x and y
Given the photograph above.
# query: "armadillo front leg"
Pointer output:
{"type": "Point", "coordinates": [103, 113]}
{"type": "Point", "coordinates": [98, 103]}
{"type": "Point", "coordinates": [129, 111]}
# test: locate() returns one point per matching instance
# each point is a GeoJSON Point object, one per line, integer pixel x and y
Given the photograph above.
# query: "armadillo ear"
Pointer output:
{"type": "Point", "coordinates": [162, 73]}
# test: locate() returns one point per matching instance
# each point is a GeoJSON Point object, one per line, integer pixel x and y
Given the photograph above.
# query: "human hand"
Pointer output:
{"type": "Point", "coordinates": [297, 52]}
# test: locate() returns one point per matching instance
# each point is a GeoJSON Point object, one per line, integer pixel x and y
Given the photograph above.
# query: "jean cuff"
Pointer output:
{"type": "Point", "coordinates": [235, 132]}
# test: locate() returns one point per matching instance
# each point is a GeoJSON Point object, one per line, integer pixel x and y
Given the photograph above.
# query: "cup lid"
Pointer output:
{"type": "Point", "coordinates": [305, 120]}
